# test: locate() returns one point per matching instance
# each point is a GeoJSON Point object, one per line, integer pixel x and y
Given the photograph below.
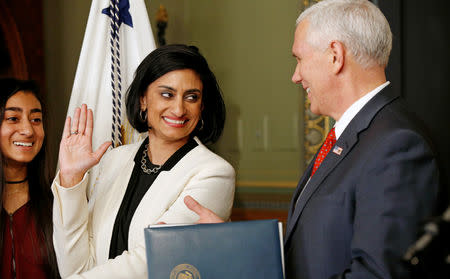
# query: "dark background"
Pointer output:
{"type": "Point", "coordinates": [419, 69]}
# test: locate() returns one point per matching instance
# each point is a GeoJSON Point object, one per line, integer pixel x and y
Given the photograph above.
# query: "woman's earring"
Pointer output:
{"type": "Point", "coordinates": [143, 115]}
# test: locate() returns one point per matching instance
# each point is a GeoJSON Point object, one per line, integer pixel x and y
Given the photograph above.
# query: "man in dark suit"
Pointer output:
{"type": "Point", "coordinates": [356, 215]}
{"type": "Point", "coordinates": [360, 203]}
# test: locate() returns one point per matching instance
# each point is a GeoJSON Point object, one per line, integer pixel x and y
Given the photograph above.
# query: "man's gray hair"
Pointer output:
{"type": "Point", "coordinates": [358, 24]}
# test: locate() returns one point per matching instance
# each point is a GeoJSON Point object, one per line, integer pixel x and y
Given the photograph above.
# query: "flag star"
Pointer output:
{"type": "Point", "coordinates": [124, 13]}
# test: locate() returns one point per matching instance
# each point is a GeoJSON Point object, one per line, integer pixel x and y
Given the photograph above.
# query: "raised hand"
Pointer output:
{"type": "Point", "coordinates": [206, 215]}
{"type": "Point", "coordinates": [75, 150]}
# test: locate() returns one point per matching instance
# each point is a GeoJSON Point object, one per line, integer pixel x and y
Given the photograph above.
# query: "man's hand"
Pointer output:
{"type": "Point", "coordinates": [206, 215]}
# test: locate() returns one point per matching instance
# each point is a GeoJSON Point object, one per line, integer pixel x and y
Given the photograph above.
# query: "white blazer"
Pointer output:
{"type": "Point", "coordinates": [83, 228]}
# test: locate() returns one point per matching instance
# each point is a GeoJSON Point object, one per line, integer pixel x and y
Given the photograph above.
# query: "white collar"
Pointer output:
{"type": "Point", "coordinates": [350, 113]}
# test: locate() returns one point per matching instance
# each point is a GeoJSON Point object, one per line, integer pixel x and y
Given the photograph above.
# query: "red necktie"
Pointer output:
{"type": "Point", "coordinates": [326, 147]}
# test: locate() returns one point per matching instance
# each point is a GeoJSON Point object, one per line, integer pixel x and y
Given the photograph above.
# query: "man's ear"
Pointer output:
{"type": "Point", "coordinates": [337, 56]}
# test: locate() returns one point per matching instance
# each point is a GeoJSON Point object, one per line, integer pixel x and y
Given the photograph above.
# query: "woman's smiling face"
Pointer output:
{"type": "Point", "coordinates": [22, 131]}
{"type": "Point", "coordinates": [174, 105]}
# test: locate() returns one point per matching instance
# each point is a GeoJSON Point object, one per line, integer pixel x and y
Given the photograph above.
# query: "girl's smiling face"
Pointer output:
{"type": "Point", "coordinates": [21, 131]}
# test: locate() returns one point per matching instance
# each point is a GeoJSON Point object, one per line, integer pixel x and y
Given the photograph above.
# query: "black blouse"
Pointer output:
{"type": "Point", "coordinates": [138, 185]}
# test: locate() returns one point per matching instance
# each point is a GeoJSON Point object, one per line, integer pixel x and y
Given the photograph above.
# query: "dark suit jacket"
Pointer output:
{"type": "Point", "coordinates": [363, 208]}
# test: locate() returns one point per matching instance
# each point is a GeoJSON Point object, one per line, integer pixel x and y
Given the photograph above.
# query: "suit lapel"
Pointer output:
{"type": "Point", "coordinates": [121, 177]}
{"type": "Point", "coordinates": [328, 164]}
{"type": "Point", "coordinates": [346, 141]}
{"type": "Point", "coordinates": [112, 198]}
{"type": "Point", "coordinates": [301, 184]}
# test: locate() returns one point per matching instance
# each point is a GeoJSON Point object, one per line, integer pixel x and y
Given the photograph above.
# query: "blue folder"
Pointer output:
{"type": "Point", "coordinates": [248, 249]}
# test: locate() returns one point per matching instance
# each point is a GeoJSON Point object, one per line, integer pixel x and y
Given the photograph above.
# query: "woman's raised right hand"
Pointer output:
{"type": "Point", "coordinates": [75, 150]}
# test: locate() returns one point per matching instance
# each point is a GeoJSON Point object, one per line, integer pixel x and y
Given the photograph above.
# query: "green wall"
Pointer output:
{"type": "Point", "coordinates": [248, 46]}
{"type": "Point", "coordinates": [64, 26]}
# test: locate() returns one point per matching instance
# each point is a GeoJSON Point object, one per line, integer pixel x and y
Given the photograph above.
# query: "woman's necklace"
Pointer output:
{"type": "Point", "coordinates": [144, 163]}
{"type": "Point", "coordinates": [17, 182]}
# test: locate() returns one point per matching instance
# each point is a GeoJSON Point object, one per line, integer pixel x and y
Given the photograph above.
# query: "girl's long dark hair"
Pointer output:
{"type": "Point", "coordinates": [39, 176]}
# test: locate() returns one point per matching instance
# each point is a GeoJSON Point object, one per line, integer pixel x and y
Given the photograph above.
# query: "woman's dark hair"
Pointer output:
{"type": "Point", "coordinates": [39, 173]}
{"type": "Point", "coordinates": [177, 57]}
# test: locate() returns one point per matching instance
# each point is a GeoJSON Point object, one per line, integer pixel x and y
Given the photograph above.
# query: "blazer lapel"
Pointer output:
{"type": "Point", "coordinates": [120, 173]}
{"type": "Point", "coordinates": [346, 142]}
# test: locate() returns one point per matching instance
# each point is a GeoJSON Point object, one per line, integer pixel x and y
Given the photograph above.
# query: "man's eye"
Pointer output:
{"type": "Point", "coordinates": [12, 119]}
{"type": "Point", "coordinates": [36, 120]}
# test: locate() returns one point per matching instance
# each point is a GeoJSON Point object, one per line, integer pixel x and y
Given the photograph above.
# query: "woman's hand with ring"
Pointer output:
{"type": "Point", "coordinates": [75, 150]}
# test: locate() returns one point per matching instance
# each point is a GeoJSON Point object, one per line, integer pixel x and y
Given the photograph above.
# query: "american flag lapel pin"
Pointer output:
{"type": "Point", "coordinates": [337, 150]}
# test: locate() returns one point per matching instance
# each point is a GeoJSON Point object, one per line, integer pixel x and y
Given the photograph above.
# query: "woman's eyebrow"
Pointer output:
{"type": "Point", "coordinates": [167, 87]}
{"type": "Point", "coordinates": [36, 110]}
{"type": "Point", "coordinates": [14, 109]}
{"type": "Point", "coordinates": [20, 109]}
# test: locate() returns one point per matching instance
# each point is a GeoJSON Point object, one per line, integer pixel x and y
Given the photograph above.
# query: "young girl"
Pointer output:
{"type": "Point", "coordinates": [26, 247]}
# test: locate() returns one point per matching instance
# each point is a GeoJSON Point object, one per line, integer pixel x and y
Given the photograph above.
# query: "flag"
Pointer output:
{"type": "Point", "coordinates": [118, 37]}
{"type": "Point", "coordinates": [338, 150]}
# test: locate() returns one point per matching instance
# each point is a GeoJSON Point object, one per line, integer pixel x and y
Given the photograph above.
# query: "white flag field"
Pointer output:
{"type": "Point", "coordinates": [116, 40]}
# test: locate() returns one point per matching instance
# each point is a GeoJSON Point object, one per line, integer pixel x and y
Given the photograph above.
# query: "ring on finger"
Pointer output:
{"type": "Point", "coordinates": [74, 133]}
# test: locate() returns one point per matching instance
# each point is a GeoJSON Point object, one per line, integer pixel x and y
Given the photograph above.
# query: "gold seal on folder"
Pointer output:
{"type": "Point", "coordinates": [184, 271]}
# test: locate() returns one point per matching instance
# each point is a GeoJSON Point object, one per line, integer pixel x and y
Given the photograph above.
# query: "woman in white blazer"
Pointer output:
{"type": "Point", "coordinates": [176, 99]}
